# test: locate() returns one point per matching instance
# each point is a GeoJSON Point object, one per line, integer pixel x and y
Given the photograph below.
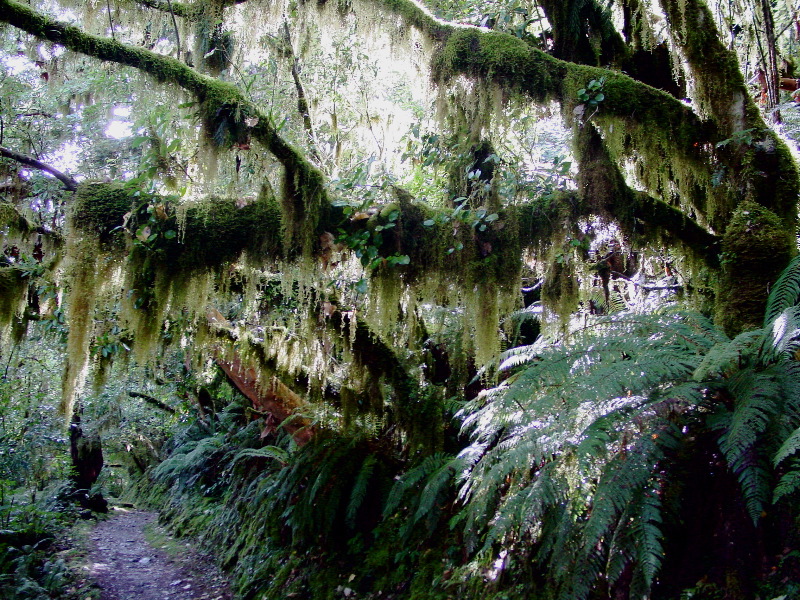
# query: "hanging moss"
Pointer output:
{"type": "Point", "coordinates": [755, 248]}
{"type": "Point", "coordinates": [560, 289]}
{"type": "Point", "coordinates": [83, 281]}
{"type": "Point", "coordinates": [12, 294]}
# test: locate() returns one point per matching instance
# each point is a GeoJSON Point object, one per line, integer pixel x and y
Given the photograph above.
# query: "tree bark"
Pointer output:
{"type": "Point", "coordinates": [69, 183]}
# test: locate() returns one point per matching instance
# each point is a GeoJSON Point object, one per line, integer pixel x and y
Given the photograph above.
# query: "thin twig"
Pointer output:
{"type": "Point", "coordinates": [110, 20]}
{"type": "Point", "coordinates": [175, 25]}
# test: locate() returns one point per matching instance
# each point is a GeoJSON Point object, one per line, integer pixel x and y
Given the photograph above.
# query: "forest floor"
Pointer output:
{"type": "Point", "coordinates": [130, 557]}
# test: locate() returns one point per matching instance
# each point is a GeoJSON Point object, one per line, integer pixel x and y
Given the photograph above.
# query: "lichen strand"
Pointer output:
{"type": "Point", "coordinates": [671, 163]}
{"type": "Point", "coordinates": [560, 290]}
{"type": "Point", "coordinates": [12, 298]}
{"type": "Point", "coordinates": [756, 246]}
{"type": "Point", "coordinates": [303, 207]}
{"type": "Point", "coordinates": [100, 208]}
{"type": "Point", "coordinates": [83, 280]}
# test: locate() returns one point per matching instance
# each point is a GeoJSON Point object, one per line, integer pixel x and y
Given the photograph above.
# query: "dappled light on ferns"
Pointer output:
{"type": "Point", "coordinates": [580, 448]}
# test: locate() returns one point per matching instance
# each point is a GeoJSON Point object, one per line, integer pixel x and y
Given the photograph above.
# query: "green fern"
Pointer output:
{"type": "Point", "coordinates": [785, 293]}
{"type": "Point", "coordinates": [421, 492]}
{"type": "Point", "coordinates": [789, 483]}
{"type": "Point", "coordinates": [279, 454]}
{"type": "Point", "coordinates": [789, 447]}
{"type": "Point", "coordinates": [574, 449]}
{"type": "Point", "coordinates": [359, 491]}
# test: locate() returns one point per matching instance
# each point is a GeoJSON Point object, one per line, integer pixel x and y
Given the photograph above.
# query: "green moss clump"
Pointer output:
{"type": "Point", "coordinates": [418, 17]}
{"type": "Point", "coordinates": [560, 289]}
{"type": "Point", "coordinates": [100, 208]}
{"type": "Point", "coordinates": [755, 248]}
{"type": "Point", "coordinates": [10, 217]}
{"type": "Point", "coordinates": [218, 231]}
{"type": "Point", "coordinates": [498, 56]}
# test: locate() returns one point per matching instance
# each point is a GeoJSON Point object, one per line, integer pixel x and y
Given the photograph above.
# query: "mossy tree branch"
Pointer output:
{"type": "Point", "coordinates": [304, 193]}
{"type": "Point", "coordinates": [153, 401]}
{"type": "Point", "coordinates": [191, 11]}
{"type": "Point", "coordinates": [678, 137]}
{"type": "Point", "coordinates": [518, 66]}
{"type": "Point", "coordinates": [179, 9]}
{"type": "Point", "coordinates": [487, 55]}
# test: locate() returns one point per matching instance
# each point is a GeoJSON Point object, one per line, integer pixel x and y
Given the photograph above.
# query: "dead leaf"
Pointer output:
{"type": "Point", "coordinates": [326, 240]}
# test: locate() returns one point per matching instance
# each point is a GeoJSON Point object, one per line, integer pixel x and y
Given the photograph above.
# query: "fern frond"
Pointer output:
{"type": "Point", "coordinates": [360, 488]}
{"type": "Point", "coordinates": [411, 478]}
{"type": "Point", "coordinates": [788, 484]}
{"type": "Point", "coordinates": [518, 356]}
{"type": "Point", "coordinates": [726, 358]}
{"type": "Point", "coordinates": [757, 402]}
{"type": "Point", "coordinates": [782, 335]}
{"type": "Point", "coordinates": [182, 465]}
{"type": "Point", "coordinates": [443, 477]}
{"type": "Point", "coordinates": [789, 447]}
{"type": "Point", "coordinates": [785, 292]}
{"type": "Point", "coordinates": [279, 454]}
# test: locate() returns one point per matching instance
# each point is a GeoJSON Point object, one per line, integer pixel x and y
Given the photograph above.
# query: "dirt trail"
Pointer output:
{"type": "Point", "coordinates": [127, 567]}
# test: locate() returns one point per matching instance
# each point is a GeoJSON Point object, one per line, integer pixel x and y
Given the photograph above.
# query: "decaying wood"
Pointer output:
{"type": "Point", "coordinates": [275, 401]}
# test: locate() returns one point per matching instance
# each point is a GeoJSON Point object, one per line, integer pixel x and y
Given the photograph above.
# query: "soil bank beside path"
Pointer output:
{"type": "Point", "coordinates": [127, 567]}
